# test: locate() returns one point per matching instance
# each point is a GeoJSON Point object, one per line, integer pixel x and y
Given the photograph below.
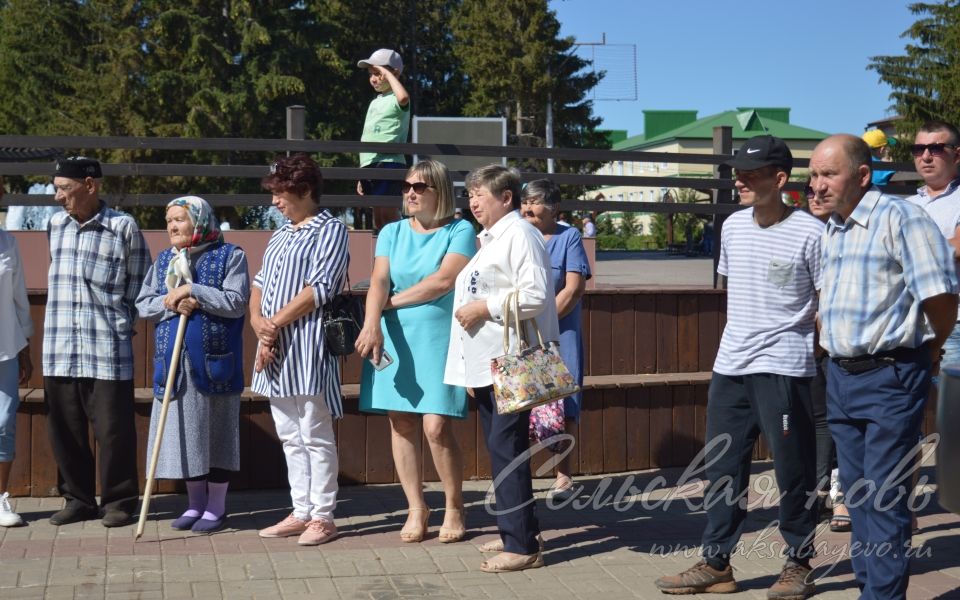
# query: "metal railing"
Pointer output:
{"type": "Point", "coordinates": [720, 184]}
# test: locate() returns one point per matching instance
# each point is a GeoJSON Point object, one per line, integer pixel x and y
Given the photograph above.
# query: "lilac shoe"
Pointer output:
{"type": "Point", "coordinates": [184, 523]}
{"type": "Point", "coordinates": [209, 525]}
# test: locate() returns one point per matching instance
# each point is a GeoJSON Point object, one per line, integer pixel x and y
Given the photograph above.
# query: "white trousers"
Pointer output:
{"type": "Point", "coordinates": [305, 427]}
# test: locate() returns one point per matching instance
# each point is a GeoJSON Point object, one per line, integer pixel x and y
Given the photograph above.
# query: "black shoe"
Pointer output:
{"type": "Point", "coordinates": [209, 525]}
{"type": "Point", "coordinates": [73, 513]}
{"type": "Point", "coordinates": [116, 517]}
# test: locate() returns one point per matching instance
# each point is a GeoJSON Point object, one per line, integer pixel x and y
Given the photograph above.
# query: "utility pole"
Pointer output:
{"type": "Point", "coordinates": [549, 120]}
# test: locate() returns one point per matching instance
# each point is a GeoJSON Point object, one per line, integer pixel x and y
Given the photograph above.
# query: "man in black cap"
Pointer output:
{"type": "Point", "coordinates": [98, 260]}
{"type": "Point", "coordinates": [770, 255]}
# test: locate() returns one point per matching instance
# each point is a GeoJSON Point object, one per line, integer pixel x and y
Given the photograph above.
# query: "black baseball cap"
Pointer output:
{"type": "Point", "coordinates": [762, 151]}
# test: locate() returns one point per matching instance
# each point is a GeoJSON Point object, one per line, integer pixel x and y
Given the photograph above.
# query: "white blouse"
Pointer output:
{"type": "Point", "coordinates": [15, 320]}
{"type": "Point", "coordinates": [512, 256]}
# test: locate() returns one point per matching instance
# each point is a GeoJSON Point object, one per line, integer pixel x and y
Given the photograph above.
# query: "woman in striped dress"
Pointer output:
{"type": "Point", "coordinates": [303, 268]}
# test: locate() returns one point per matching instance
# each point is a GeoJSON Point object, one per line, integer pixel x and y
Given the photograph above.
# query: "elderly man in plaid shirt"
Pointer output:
{"type": "Point", "coordinates": [888, 302]}
{"type": "Point", "coordinates": [98, 260]}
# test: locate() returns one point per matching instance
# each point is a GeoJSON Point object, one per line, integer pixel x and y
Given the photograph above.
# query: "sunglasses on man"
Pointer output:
{"type": "Point", "coordinates": [938, 149]}
{"type": "Point", "coordinates": [418, 187]}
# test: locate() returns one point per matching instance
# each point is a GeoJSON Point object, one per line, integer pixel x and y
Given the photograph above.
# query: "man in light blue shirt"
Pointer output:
{"type": "Point", "coordinates": [888, 302]}
{"type": "Point", "coordinates": [936, 155]}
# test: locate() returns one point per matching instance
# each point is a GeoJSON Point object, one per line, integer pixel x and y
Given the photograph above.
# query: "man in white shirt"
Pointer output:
{"type": "Point", "coordinates": [589, 229]}
{"type": "Point", "coordinates": [936, 155]}
{"type": "Point", "coordinates": [770, 255]}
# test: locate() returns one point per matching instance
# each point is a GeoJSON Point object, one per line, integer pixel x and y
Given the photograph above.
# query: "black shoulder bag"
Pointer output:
{"type": "Point", "coordinates": [342, 319]}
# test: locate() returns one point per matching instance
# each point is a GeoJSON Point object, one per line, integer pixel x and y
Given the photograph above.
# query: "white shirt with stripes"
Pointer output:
{"type": "Point", "coordinates": [316, 255]}
{"type": "Point", "coordinates": [773, 274]}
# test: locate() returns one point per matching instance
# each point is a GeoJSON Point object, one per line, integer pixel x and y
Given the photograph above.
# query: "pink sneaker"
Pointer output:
{"type": "Point", "coordinates": [318, 532]}
{"type": "Point", "coordinates": [285, 528]}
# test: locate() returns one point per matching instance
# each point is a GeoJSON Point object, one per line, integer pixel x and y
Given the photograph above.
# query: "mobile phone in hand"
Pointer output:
{"type": "Point", "coordinates": [385, 360]}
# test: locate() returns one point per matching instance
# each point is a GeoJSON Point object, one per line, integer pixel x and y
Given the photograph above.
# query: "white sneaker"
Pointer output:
{"type": "Point", "coordinates": [8, 518]}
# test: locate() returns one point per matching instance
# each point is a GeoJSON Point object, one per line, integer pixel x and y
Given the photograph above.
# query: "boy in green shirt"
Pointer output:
{"type": "Point", "coordinates": [388, 120]}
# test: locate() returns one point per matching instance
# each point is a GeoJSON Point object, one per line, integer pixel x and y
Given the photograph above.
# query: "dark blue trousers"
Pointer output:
{"type": "Point", "coordinates": [875, 420]}
{"type": "Point", "coordinates": [508, 437]}
{"type": "Point", "coordinates": [739, 408]}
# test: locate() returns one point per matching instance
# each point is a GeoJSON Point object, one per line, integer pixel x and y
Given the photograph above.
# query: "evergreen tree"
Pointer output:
{"type": "Point", "coordinates": [194, 68]}
{"type": "Point", "coordinates": [514, 60]}
{"type": "Point", "coordinates": [41, 61]}
{"type": "Point", "coordinates": [629, 225]}
{"type": "Point", "coordinates": [924, 79]}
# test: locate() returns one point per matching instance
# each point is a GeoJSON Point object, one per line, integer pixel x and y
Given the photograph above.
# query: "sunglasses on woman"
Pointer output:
{"type": "Point", "coordinates": [935, 149]}
{"type": "Point", "coordinates": [418, 187]}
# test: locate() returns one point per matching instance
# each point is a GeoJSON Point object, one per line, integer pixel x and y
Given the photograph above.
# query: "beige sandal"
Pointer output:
{"type": "Point", "coordinates": [449, 534]}
{"type": "Point", "coordinates": [415, 534]}
{"type": "Point", "coordinates": [505, 562]}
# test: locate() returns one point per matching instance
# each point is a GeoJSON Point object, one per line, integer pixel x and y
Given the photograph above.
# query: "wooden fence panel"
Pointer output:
{"type": "Point", "coordinates": [638, 428]}
{"type": "Point", "coordinates": [43, 479]}
{"type": "Point", "coordinates": [484, 471]}
{"type": "Point", "coordinates": [645, 332]}
{"type": "Point", "coordinates": [700, 411]}
{"type": "Point", "coordinates": [19, 483]}
{"type": "Point", "coordinates": [661, 427]}
{"type": "Point", "coordinates": [465, 432]}
{"type": "Point", "coordinates": [688, 345]}
{"type": "Point", "coordinates": [601, 334]}
{"type": "Point", "coordinates": [265, 459]}
{"type": "Point", "coordinates": [667, 357]}
{"type": "Point", "coordinates": [685, 444]}
{"type": "Point", "coordinates": [379, 453]}
{"type": "Point", "coordinates": [37, 310]}
{"type": "Point", "coordinates": [142, 363]}
{"type": "Point", "coordinates": [614, 431]}
{"type": "Point", "coordinates": [708, 330]}
{"type": "Point", "coordinates": [591, 433]}
{"type": "Point", "coordinates": [622, 340]}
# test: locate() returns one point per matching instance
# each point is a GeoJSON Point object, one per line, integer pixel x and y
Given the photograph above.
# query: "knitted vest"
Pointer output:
{"type": "Point", "coordinates": [214, 344]}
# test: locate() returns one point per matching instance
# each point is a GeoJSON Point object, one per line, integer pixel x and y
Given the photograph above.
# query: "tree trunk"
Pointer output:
{"type": "Point", "coordinates": [519, 121]}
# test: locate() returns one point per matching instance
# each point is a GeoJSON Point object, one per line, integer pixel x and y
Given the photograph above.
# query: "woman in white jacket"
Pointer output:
{"type": "Point", "coordinates": [512, 258]}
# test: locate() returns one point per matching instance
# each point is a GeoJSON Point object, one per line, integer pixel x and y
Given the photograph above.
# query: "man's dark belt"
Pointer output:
{"type": "Point", "coordinates": [869, 362]}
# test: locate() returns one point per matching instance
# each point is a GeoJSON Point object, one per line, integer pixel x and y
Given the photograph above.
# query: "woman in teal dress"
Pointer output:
{"type": "Point", "coordinates": [409, 309]}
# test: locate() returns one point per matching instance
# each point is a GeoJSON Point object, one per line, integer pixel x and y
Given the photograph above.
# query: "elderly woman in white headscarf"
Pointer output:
{"type": "Point", "coordinates": [205, 279]}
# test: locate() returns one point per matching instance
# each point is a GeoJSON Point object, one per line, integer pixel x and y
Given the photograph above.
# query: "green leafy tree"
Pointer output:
{"type": "Point", "coordinates": [674, 228]}
{"type": "Point", "coordinates": [605, 225]}
{"type": "Point", "coordinates": [924, 79]}
{"type": "Point", "coordinates": [629, 225]}
{"type": "Point", "coordinates": [41, 62]}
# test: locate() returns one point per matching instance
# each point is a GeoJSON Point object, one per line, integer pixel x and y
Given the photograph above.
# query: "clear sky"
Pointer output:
{"type": "Point", "coordinates": [716, 55]}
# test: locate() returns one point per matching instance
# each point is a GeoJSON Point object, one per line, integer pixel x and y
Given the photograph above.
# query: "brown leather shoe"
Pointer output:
{"type": "Point", "coordinates": [794, 583]}
{"type": "Point", "coordinates": [699, 579]}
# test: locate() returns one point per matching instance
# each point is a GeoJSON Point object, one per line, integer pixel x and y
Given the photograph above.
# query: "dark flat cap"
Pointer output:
{"type": "Point", "coordinates": [77, 167]}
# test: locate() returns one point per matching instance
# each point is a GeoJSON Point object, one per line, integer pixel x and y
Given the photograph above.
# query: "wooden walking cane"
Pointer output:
{"type": "Point", "coordinates": [155, 455]}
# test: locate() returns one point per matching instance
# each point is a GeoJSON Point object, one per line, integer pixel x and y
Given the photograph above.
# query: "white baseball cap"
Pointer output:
{"type": "Point", "coordinates": [384, 57]}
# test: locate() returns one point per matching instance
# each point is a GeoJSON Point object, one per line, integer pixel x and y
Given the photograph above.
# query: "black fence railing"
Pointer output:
{"type": "Point", "coordinates": [46, 146]}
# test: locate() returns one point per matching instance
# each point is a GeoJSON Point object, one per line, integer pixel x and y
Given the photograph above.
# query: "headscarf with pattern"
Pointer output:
{"type": "Point", "coordinates": [206, 231]}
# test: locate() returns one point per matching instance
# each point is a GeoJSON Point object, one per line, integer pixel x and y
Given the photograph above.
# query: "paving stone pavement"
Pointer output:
{"type": "Point", "coordinates": [611, 542]}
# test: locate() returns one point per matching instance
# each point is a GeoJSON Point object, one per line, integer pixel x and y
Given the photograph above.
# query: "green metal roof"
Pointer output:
{"type": "Point", "coordinates": [745, 122]}
{"type": "Point", "coordinates": [614, 136]}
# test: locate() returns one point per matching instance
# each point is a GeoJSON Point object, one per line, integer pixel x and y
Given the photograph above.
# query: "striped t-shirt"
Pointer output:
{"type": "Point", "coordinates": [773, 274]}
{"type": "Point", "coordinates": [314, 255]}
